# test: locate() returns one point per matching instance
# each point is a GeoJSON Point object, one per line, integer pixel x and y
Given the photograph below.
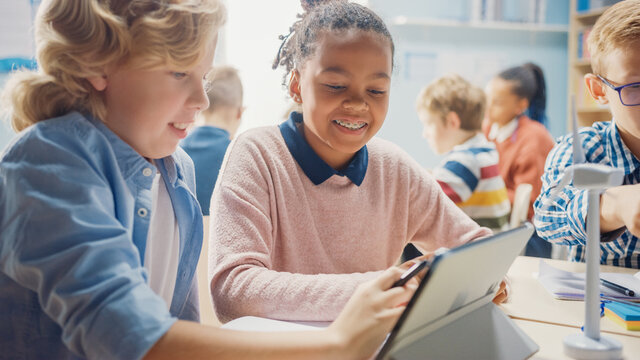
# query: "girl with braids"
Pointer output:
{"type": "Point", "coordinates": [307, 210]}
{"type": "Point", "coordinates": [515, 121]}
{"type": "Point", "coordinates": [101, 230]}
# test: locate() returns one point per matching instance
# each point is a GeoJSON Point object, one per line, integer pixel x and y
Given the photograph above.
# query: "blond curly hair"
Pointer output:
{"type": "Point", "coordinates": [78, 39]}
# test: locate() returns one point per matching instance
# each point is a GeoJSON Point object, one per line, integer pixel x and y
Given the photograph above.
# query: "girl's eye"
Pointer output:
{"type": "Point", "coordinates": [178, 75]}
{"type": "Point", "coordinates": [377, 92]}
{"type": "Point", "coordinates": [335, 87]}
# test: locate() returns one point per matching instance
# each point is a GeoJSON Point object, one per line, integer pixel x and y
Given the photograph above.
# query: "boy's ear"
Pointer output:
{"type": "Point", "coordinates": [453, 120]}
{"type": "Point", "coordinates": [294, 87]}
{"type": "Point", "coordinates": [98, 82]}
{"type": "Point", "coordinates": [240, 112]}
{"type": "Point", "coordinates": [596, 89]}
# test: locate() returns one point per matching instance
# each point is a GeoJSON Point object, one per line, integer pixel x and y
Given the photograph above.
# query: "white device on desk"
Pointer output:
{"type": "Point", "coordinates": [594, 178]}
{"type": "Point", "coordinates": [451, 315]}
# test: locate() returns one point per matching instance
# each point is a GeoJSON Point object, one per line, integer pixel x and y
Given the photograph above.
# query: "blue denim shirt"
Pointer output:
{"type": "Point", "coordinates": [75, 205]}
{"type": "Point", "coordinates": [206, 145]}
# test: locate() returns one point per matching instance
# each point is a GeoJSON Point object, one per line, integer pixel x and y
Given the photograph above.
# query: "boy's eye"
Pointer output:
{"type": "Point", "coordinates": [178, 75]}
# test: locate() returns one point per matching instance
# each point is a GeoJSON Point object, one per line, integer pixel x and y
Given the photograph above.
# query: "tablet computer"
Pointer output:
{"type": "Point", "coordinates": [451, 312]}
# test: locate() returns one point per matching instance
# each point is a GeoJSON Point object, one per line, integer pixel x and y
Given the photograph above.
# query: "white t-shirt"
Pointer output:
{"type": "Point", "coordinates": [163, 243]}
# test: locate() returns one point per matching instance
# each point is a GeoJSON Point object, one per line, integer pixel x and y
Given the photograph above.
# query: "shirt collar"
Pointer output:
{"type": "Point", "coordinates": [500, 134]}
{"type": "Point", "coordinates": [618, 147]}
{"type": "Point", "coordinates": [131, 163]}
{"type": "Point", "coordinates": [316, 169]}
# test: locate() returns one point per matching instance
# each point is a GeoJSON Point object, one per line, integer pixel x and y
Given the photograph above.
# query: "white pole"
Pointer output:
{"type": "Point", "coordinates": [592, 291]}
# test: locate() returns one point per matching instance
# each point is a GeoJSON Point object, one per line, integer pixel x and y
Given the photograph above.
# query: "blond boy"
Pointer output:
{"type": "Point", "coordinates": [451, 110]}
{"type": "Point", "coordinates": [614, 45]}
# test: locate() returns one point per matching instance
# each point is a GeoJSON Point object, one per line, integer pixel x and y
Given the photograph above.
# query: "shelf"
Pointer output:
{"type": "Point", "coordinates": [592, 110]}
{"type": "Point", "coordinates": [582, 62]}
{"type": "Point", "coordinates": [590, 15]}
{"type": "Point", "coordinates": [480, 25]}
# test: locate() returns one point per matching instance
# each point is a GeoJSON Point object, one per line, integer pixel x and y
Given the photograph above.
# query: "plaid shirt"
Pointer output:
{"type": "Point", "coordinates": [563, 220]}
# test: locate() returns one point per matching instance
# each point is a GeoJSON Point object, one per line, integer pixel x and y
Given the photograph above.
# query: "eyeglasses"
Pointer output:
{"type": "Point", "coordinates": [629, 94]}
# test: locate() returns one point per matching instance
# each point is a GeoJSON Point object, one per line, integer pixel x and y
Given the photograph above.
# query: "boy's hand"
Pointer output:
{"type": "Point", "coordinates": [371, 313]}
{"type": "Point", "coordinates": [620, 206]}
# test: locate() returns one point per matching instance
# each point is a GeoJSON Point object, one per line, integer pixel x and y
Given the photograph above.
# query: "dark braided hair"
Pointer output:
{"type": "Point", "coordinates": [529, 84]}
{"type": "Point", "coordinates": [324, 15]}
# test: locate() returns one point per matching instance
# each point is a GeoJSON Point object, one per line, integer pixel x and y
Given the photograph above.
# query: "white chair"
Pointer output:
{"type": "Point", "coordinates": [520, 207]}
{"type": "Point", "coordinates": [207, 315]}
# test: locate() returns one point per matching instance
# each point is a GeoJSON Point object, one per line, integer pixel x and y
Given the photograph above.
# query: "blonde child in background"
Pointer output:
{"type": "Point", "coordinates": [307, 210]}
{"type": "Point", "coordinates": [514, 121]}
{"type": "Point", "coordinates": [451, 110]}
{"type": "Point", "coordinates": [101, 230]}
{"type": "Point", "coordinates": [207, 143]}
{"type": "Point", "coordinates": [614, 44]}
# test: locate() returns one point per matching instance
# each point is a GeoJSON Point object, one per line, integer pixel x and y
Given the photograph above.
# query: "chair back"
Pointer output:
{"type": "Point", "coordinates": [520, 207]}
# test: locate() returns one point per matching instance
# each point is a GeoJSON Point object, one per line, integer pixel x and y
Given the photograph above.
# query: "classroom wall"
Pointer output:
{"type": "Point", "coordinates": [6, 133]}
{"type": "Point", "coordinates": [425, 52]}
{"type": "Point", "coordinates": [249, 41]}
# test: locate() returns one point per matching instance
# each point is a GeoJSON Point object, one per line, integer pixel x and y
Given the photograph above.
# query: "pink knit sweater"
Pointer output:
{"type": "Point", "coordinates": [284, 248]}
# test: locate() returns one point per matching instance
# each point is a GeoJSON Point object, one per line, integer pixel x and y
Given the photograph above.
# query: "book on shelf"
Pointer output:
{"type": "Point", "coordinates": [583, 45]}
{"type": "Point", "coordinates": [517, 11]}
{"type": "Point", "coordinates": [588, 5]}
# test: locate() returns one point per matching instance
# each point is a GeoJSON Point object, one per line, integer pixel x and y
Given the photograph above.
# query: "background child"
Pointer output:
{"type": "Point", "coordinates": [305, 211]}
{"type": "Point", "coordinates": [100, 228]}
{"type": "Point", "coordinates": [207, 143]}
{"type": "Point", "coordinates": [522, 141]}
{"type": "Point", "coordinates": [614, 44]}
{"type": "Point", "coordinates": [451, 110]}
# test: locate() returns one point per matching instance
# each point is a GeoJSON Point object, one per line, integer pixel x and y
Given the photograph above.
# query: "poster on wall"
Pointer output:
{"type": "Point", "coordinates": [17, 47]}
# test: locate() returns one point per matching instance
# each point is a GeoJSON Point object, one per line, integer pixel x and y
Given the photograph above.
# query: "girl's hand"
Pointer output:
{"type": "Point", "coordinates": [371, 313]}
{"type": "Point", "coordinates": [503, 292]}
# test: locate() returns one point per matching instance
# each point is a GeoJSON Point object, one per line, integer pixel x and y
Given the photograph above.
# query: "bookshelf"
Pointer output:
{"type": "Point", "coordinates": [579, 64]}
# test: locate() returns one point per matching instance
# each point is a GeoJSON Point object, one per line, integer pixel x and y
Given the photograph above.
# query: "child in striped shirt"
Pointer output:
{"type": "Point", "coordinates": [614, 44]}
{"type": "Point", "coordinates": [451, 110]}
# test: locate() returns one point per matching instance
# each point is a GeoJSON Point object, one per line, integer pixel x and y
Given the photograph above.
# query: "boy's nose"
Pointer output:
{"type": "Point", "coordinates": [199, 99]}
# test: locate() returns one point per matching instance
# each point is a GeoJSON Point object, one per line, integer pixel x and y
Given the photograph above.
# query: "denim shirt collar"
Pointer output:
{"type": "Point", "coordinates": [316, 169]}
{"type": "Point", "coordinates": [132, 163]}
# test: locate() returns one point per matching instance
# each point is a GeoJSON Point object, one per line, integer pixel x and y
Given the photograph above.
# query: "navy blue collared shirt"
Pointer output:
{"type": "Point", "coordinates": [316, 169]}
{"type": "Point", "coordinates": [206, 145]}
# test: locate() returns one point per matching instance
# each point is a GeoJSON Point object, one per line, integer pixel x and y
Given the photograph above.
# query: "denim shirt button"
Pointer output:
{"type": "Point", "coordinates": [147, 172]}
{"type": "Point", "coordinates": [142, 212]}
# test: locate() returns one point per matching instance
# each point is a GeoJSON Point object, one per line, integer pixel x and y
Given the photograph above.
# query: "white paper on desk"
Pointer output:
{"type": "Point", "coordinates": [568, 285]}
{"type": "Point", "coordinates": [253, 323]}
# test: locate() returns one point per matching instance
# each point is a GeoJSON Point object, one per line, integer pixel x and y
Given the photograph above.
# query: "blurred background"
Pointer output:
{"type": "Point", "coordinates": [475, 38]}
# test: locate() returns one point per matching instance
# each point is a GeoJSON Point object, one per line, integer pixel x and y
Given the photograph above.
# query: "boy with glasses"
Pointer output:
{"type": "Point", "coordinates": [614, 44]}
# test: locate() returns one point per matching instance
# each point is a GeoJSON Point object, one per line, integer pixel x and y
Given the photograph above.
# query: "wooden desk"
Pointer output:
{"type": "Point", "coordinates": [531, 301]}
{"type": "Point", "coordinates": [547, 320]}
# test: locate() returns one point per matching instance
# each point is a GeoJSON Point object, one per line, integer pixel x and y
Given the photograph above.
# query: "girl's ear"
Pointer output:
{"type": "Point", "coordinates": [596, 89]}
{"type": "Point", "coordinates": [523, 105]}
{"type": "Point", "coordinates": [98, 82]}
{"type": "Point", "coordinates": [453, 120]}
{"type": "Point", "coordinates": [294, 87]}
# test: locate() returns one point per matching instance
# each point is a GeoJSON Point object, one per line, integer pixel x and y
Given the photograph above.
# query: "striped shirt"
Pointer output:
{"type": "Point", "coordinates": [563, 220]}
{"type": "Point", "coordinates": [469, 175]}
